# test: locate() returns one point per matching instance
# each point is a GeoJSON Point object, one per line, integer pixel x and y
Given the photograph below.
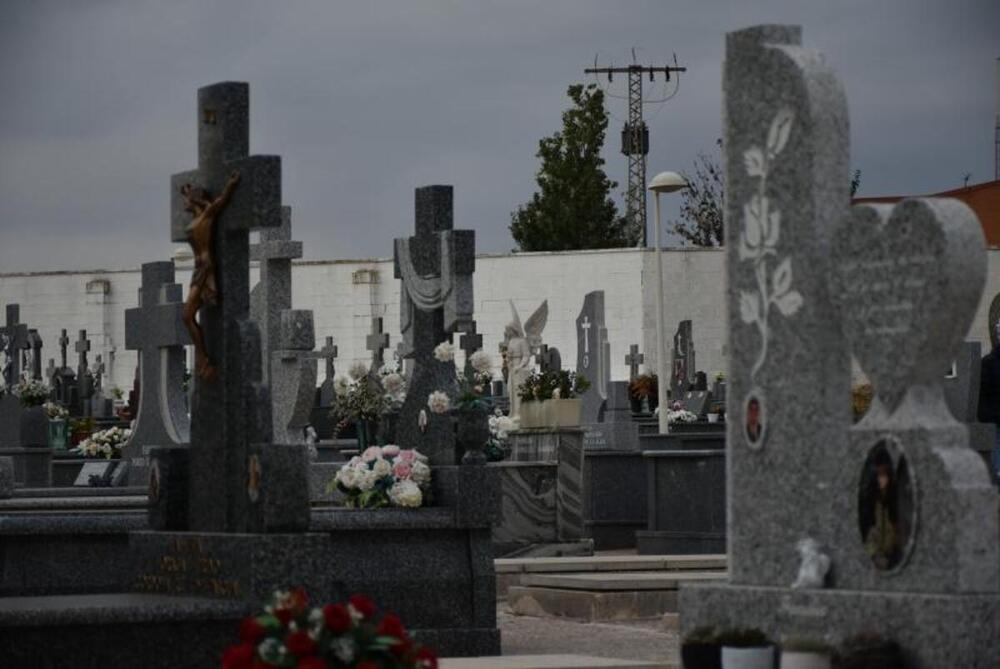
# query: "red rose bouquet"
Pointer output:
{"type": "Point", "coordinates": [290, 634]}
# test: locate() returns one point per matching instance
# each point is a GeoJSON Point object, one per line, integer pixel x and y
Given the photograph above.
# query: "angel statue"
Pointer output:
{"type": "Point", "coordinates": [522, 343]}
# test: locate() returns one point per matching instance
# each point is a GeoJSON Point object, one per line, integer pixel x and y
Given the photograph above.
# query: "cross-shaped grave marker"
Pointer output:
{"type": "Point", "coordinates": [35, 343]}
{"type": "Point", "coordinates": [63, 346]}
{"type": "Point", "coordinates": [633, 360]}
{"type": "Point", "coordinates": [84, 380]}
{"type": "Point", "coordinates": [226, 414]}
{"type": "Point", "coordinates": [16, 334]}
{"type": "Point", "coordinates": [376, 342]}
{"type": "Point", "coordinates": [156, 330]}
{"type": "Point", "coordinates": [470, 342]}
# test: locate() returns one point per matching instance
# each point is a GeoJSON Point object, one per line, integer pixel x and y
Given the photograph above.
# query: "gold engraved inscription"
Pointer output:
{"type": "Point", "coordinates": [188, 568]}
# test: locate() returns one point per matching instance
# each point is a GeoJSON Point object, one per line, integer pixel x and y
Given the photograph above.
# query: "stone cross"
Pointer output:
{"type": "Point", "coordinates": [50, 371]}
{"type": "Point", "coordinates": [293, 376]}
{"type": "Point", "coordinates": [99, 369]}
{"type": "Point", "coordinates": [633, 360]}
{"type": "Point", "coordinates": [470, 342]}
{"type": "Point", "coordinates": [35, 342]}
{"type": "Point", "coordinates": [376, 342]}
{"type": "Point", "coordinates": [156, 330]}
{"type": "Point", "coordinates": [227, 412]}
{"type": "Point", "coordinates": [16, 335]}
{"type": "Point", "coordinates": [435, 268]}
{"type": "Point", "coordinates": [327, 396]}
{"type": "Point", "coordinates": [63, 346]}
{"type": "Point", "coordinates": [84, 379]}
{"type": "Point", "coordinates": [273, 293]}
{"type": "Point", "coordinates": [593, 356]}
{"type": "Point", "coordinates": [683, 363]}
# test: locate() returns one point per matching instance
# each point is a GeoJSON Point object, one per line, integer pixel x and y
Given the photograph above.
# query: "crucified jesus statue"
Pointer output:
{"type": "Point", "coordinates": [203, 289]}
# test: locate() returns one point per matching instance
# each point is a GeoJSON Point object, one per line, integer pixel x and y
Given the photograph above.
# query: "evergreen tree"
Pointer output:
{"type": "Point", "coordinates": [572, 208]}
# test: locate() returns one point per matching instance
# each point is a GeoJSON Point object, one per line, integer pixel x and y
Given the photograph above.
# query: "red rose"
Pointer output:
{"type": "Point", "coordinates": [300, 643]}
{"type": "Point", "coordinates": [402, 648]}
{"type": "Point", "coordinates": [426, 658]}
{"type": "Point", "coordinates": [283, 615]}
{"type": "Point", "coordinates": [313, 662]}
{"type": "Point", "coordinates": [300, 600]}
{"type": "Point", "coordinates": [238, 657]}
{"type": "Point", "coordinates": [366, 665]}
{"type": "Point", "coordinates": [338, 618]}
{"type": "Point", "coordinates": [251, 631]}
{"type": "Point", "coordinates": [391, 625]}
{"type": "Point", "coordinates": [363, 605]}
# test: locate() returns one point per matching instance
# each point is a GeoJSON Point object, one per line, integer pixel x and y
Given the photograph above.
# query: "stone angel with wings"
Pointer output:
{"type": "Point", "coordinates": [522, 343]}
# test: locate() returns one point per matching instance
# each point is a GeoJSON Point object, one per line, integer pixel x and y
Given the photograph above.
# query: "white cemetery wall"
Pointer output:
{"type": "Point", "coordinates": [345, 294]}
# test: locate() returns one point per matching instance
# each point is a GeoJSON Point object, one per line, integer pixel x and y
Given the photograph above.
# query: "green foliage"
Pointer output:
{"type": "Point", "coordinates": [702, 203]}
{"type": "Point", "coordinates": [554, 384]}
{"type": "Point", "coordinates": [572, 208]}
{"type": "Point", "coordinates": [702, 635]}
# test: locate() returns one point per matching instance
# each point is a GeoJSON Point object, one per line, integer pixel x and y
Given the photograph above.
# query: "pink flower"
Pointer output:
{"type": "Point", "coordinates": [401, 470]}
{"type": "Point", "coordinates": [371, 453]}
{"type": "Point", "coordinates": [390, 451]}
{"type": "Point", "coordinates": [408, 456]}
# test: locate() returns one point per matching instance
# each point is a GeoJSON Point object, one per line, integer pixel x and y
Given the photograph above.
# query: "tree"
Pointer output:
{"type": "Point", "coordinates": [572, 208]}
{"type": "Point", "coordinates": [703, 202]}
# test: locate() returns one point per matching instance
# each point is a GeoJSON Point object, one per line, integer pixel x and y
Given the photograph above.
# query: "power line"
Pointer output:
{"type": "Point", "coordinates": [635, 135]}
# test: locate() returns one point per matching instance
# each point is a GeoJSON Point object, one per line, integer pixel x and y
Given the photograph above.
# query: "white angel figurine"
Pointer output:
{"type": "Point", "coordinates": [521, 343]}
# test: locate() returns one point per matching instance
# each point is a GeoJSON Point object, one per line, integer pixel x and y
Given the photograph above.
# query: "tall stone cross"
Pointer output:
{"type": "Point", "coordinates": [435, 267]}
{"type": "Point", "coordinates": [633, 360]}
{"type": "Point", "coordinates": [16, 334]}
{"type": "Point", "coordinates": [470, 342]}
{"type": "Point", "coordinates": [156, 330]}
{"type": "Point", "coordinates": [50, 371]}
{"type": "Point", "coordinates": [273, 293]}
{"type": "Point", "coordinates": [376, 342]}
{"type": "Point", "coordinates": [63, 346]}
{"type": "Point", "coordinates": [327, 394]}
{"type": "Point", "coordinates": [84, 380]}
{"type": "Point", "coordinates": [226, 412]}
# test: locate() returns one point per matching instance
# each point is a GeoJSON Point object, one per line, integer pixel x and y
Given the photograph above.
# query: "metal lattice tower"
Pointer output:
{"type": "Point", "coordinates": [635, 138]}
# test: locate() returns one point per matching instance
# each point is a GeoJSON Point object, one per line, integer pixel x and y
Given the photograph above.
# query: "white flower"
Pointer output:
{"type": "Point", "coordinates": [406, 493]}
{"type": "Point", "coordinates": [371, 454]}
{"type": "Point", "coordinates": [481, 362]}
{"type": "Point", "coordinates": [444, 351]}
{"type": "Point", "coordinates": [390, 451]}
{"type": "Point", "coordinates": [438, 402]}
{"type": "Point", "coordinates": [420, 473]}
{"type": "Point", "coordinates": [347, 477]}
{"type": "Point", "coordinates": [343, 649]}
{"type": "Point", "coordinates": [358, 371]}
{"type": "Point", "coordinates": [366, 479]}
{"type": "Point", "coordinates": [341, 385]}
{"type": "Point", "coordinates": [393, 383]}
{"type": "Point", "coordinates": [382, 468]}
{"type": "Point", "coordinates": [556, 394]}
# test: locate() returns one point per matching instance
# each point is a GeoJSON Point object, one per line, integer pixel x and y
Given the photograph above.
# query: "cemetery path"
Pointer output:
{"type": "Point", "coordinates": [628, 640]}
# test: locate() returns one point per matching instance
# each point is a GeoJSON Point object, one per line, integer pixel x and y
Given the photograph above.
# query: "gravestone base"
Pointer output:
{"type": "Point", "coordinates": [541, 444]}
{"type": "Point", "coordinates": [615, 503]}
{"type": "Point", "coordinates": [934, 630]}
{"type": "Point", "coordinates": [32, 466]}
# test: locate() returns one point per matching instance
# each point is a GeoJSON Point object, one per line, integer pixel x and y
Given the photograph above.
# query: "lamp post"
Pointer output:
{"type": "Point", "coordinates": [664, 182]}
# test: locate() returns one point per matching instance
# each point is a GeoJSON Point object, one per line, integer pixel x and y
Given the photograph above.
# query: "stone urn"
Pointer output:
{"type": "Point", "coordinates": [34, 427]}
{"type": "Point", "coordinates": [472, 431]}
{"type": "Point", "coordinates": [531, 414]}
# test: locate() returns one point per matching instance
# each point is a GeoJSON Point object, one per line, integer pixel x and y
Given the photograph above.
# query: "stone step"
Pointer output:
{"type": "Point", "coordinates": [547, 662]}
{"type": "Point", "coordinates": [603, 596]}
{"type": "Point", "coordinates": [605, 563]}
{"type": "Point", "coordinates": [620, 581]}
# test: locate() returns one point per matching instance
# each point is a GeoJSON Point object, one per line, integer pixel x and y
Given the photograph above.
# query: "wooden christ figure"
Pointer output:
{"type": "Point", "coordinates": [204, 288]}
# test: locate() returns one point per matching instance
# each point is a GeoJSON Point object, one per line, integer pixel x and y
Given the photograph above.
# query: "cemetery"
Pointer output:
{"type": "Point", "coordinates": [777, 451]}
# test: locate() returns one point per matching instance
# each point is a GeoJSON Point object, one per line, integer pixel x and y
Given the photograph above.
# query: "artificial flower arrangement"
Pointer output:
{"type": "Point", "coordinates": [678, 414]}
{"type": "Point", "coordinates": [360, 397]}
{"type": "Point", "coordinates": [500, 426]}
{"type": "Point", "coordinates": [644, 386]}
{"type": "Point", "coordinates": [393, 384]}
{"type": "Point", "coordinates": [104, 444]}
{"type": "Point", "coordinates": [291, 634]}
{"type": "Point", "coordinates": [384, 476]}
{"type": "Point", "coordinates": [31, 392]}
{"type": "Point", "coordinates": [556, 384]}
{"type": "Point", "coordinates": [55, 411]}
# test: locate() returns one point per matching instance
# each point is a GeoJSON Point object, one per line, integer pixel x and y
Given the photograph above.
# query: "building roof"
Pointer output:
{"type": "Point", "coordinates": [983, 199]}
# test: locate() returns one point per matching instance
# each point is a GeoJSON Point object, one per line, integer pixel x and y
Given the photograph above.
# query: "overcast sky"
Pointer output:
{"type": "Point", "coordinates": [365, 101]}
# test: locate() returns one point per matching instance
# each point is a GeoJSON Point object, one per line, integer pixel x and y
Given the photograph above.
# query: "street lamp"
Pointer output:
{"type": "Point", "coordinates": [664, 182]}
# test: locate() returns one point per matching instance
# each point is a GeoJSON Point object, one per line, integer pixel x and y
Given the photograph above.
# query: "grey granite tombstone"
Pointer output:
{"type": "Point", "coordinates": [435, 269]}
{"type": "Point", "coordinates": [696, 401]}
{"type": "Point", "coordinates": [470, 342]}
{"type": "Point", "coordinates": [549, 359]}
{"type": "Point", "coordinates": [15, 335]}
{"type": "Point", "coordinates": [156, 330]}
{"type": "Point", "coordinates": [231, 475]}
{"type": "Point", "coordinates": [961, 392]}
{"type": "Point", "coordinates": [377, 342]}
{"type": "Point", "coordinates": [326, 396]}
{"type": "Point", "coordinates": [273, 293]}
{"type": "Point", "coordinates": [100, 405]}
{"type": "Point", "coordinates": [35, 344]}
{"type": "Point", "coordinates": [899, 503]}
{"type": "Point", "coordinates": [593, 356]}
{"type": "Point", "coordinates": [64, 379]}
{"type": "Point", "coordinates": [682, 369]}
{"type": "Point", "coordinates": [84, 378]}
{"type": "Point", "coordinates": [293, 377]}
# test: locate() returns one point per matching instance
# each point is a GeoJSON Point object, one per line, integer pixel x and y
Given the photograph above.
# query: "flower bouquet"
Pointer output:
{"type": "Point", "coordinates": [500, 426]}
{"type": "Point", "coordinates": [55, 411]}
{"type": "Point", "coordinates": [291, 634]}
{"type": "Point", "coordinates": [104, 444]}
{"type": "Point", "coordinates": [360, 399]}
{"type": "Point", "coordinates": [32, 393]}
{"type": "Point", "coordinates": [384, 476]}
{"type": "Point", "coordinates": [678, 414]}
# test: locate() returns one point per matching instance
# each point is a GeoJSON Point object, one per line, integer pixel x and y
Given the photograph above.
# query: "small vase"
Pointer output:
{"type": "Point", "coordinates": [57, 434]}
{"type": "Point", "coordinates": [472, 432]}
{"type": "Point", "coordinates": [713, 417]}
{"type": "Point", "coordinates": [791, 659]}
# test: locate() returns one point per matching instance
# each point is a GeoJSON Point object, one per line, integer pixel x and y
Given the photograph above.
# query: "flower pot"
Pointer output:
{"type": "Point", "coordinates": [57, 434]}
{"type": "Point", "coordinates": [748, 658]}
{"type": "Point", "coordinates": [531, 414]}
{"type": "Point", "coordinates": [701, 656]}
{"type": "Point", "coordinates": [794, 659]}
{"type": "Point", "coordinates": [34, 427]}
{"type": "Point", "coordinates": [472, 431]}
{"type": "Point", "coordinates": [366, 434]}
{"type": "Point", "coordinates": [563, 413]}
{"type": "Point", "coordinates": [712, 417]}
